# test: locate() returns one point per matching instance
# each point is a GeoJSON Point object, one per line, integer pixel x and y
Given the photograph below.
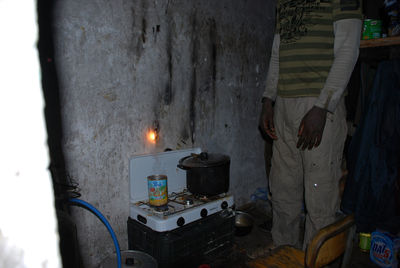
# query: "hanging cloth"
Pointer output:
{"type": "Point", "coordinates": [372, 189]}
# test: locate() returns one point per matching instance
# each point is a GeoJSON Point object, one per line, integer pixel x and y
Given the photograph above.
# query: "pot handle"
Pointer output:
{"type": "Point", "coordinates": [182, 167]}
{"type": "Point", "coordinates": [203, 156]}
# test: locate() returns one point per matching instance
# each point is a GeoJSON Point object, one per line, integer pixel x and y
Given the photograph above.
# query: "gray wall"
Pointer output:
{"type": "Point", "coordinates": [196, 69]}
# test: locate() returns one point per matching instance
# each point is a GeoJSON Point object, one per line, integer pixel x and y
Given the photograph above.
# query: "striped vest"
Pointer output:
{"type": "Point", "coordinates": [306, 46]}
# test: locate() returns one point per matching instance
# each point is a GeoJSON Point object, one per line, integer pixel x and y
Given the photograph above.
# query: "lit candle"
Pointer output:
{"type": "Point", "coordinates": [152, 136]}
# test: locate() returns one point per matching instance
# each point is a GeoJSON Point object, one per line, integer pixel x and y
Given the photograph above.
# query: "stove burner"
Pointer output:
{"type": "Point", "coordinates": [201, 197]}
{"type": "Point", "coordinates": [206, 198]}
{"type": "Point", "coordinates": [161, 208]}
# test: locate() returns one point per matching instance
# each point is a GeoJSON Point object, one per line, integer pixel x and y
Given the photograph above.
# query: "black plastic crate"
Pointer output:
{"type": "Point", "coordinates": [187, 246]}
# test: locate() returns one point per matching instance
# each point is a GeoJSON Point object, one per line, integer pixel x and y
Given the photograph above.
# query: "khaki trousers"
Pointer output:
{"type": "Point", "coordinates": [310, 176]}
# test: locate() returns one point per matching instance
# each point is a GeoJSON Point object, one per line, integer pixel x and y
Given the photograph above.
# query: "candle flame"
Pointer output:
{"type": "Point", "coordinates": [152, 136]}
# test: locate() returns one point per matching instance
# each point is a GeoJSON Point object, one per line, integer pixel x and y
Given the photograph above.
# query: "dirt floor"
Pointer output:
{"type": "Point", "coordinates": [258, 241]}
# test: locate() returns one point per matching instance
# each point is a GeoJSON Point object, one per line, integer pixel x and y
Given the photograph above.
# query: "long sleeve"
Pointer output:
{"type": "Point", "coordinates": [273, 71]}
{"type": "Point", "coordinates": [346, 49]}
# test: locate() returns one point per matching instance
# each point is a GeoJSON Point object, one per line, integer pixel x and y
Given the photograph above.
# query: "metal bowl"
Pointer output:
{"type": "Point", "coordinates": [130, 259]}
{"type": "Point", "coordinates": [243, 223]}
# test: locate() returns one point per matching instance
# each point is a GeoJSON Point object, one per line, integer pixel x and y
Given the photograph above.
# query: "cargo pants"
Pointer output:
{"type": "Point", "coordinates": [309, 177]}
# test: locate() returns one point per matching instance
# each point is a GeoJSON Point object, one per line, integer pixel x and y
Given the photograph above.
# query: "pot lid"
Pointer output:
{"type": "Point", "coordinates": [204, 160]}
{"type": "Point", "coordinates": [130, 259]}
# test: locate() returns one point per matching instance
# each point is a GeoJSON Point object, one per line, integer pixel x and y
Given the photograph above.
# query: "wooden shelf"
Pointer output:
{"type": "Point", "coordinates": [380, 42]}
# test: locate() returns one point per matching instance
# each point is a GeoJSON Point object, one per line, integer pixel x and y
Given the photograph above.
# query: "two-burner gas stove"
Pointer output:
{"type": "Point", "coordinates": [182, 208]}
{"type": "Point", "coordinates": [190, 229]}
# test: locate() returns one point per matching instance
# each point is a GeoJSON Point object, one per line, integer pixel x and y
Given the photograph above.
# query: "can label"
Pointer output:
{"type": "Point", "coordinates": [158, 193]}
{"type": "Point", "coordinates": [372, 29]}
{"type": "Point", "coordinates": [384, 249]}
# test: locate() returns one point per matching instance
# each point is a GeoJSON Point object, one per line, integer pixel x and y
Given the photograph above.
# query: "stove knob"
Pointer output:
{"type": "Point", "coordinates": [180, 221]}
{"type": "Point", "coordinates": [141, 219]}
{"type": "Point", "coordinates": [203, 213]}
{"type": "Point", "coordinates": [224, 205]}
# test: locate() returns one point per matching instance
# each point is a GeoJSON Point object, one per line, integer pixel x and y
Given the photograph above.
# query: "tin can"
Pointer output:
{"type": "Point", "coordinates": [372, 29]}
{"type": "Point", "coordinates": [158, 190]}
{"type": "Point", "coordinates": [365, 242]}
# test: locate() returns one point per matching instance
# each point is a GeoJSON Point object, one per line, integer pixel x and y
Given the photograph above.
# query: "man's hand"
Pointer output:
{"type": "Point", "coordinates": [267, 119]}
{"type": "Point", "coordinates": [311, 128]}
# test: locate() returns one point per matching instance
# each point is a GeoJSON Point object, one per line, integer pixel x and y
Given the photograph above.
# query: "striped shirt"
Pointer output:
{"type": "Point", "coordinates": [306, 42]}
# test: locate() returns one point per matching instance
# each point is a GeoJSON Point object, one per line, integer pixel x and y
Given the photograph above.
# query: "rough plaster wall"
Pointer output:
{"type": "Point", "coordinates": [194, 69]}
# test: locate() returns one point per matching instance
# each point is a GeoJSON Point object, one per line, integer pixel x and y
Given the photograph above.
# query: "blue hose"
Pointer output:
{"type": "Point", "coordinates": [104, 220]}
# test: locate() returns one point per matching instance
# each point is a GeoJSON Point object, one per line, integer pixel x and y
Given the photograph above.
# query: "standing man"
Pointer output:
{"type": "Point", "coordinates": [314, 51]}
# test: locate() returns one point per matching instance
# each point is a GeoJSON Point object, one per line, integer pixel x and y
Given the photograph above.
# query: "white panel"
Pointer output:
{"type": "Point", "coordinates": [28, 223]}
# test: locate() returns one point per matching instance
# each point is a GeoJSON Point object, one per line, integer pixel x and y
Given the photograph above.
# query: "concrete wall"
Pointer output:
{"type": "Point", "coordinates": [194, 69]}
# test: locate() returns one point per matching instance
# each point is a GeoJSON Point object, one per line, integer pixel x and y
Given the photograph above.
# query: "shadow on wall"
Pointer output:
{"type": "Point", "coordinates": [62, 187]}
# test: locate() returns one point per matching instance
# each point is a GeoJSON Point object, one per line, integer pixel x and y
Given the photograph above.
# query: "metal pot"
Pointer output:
{"type": "Point", "coordinates": [243, 223]}
{"type": "Point", "coordinates": [206, 174]}
{"type": "Point", "coordinates": [130, 259]}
